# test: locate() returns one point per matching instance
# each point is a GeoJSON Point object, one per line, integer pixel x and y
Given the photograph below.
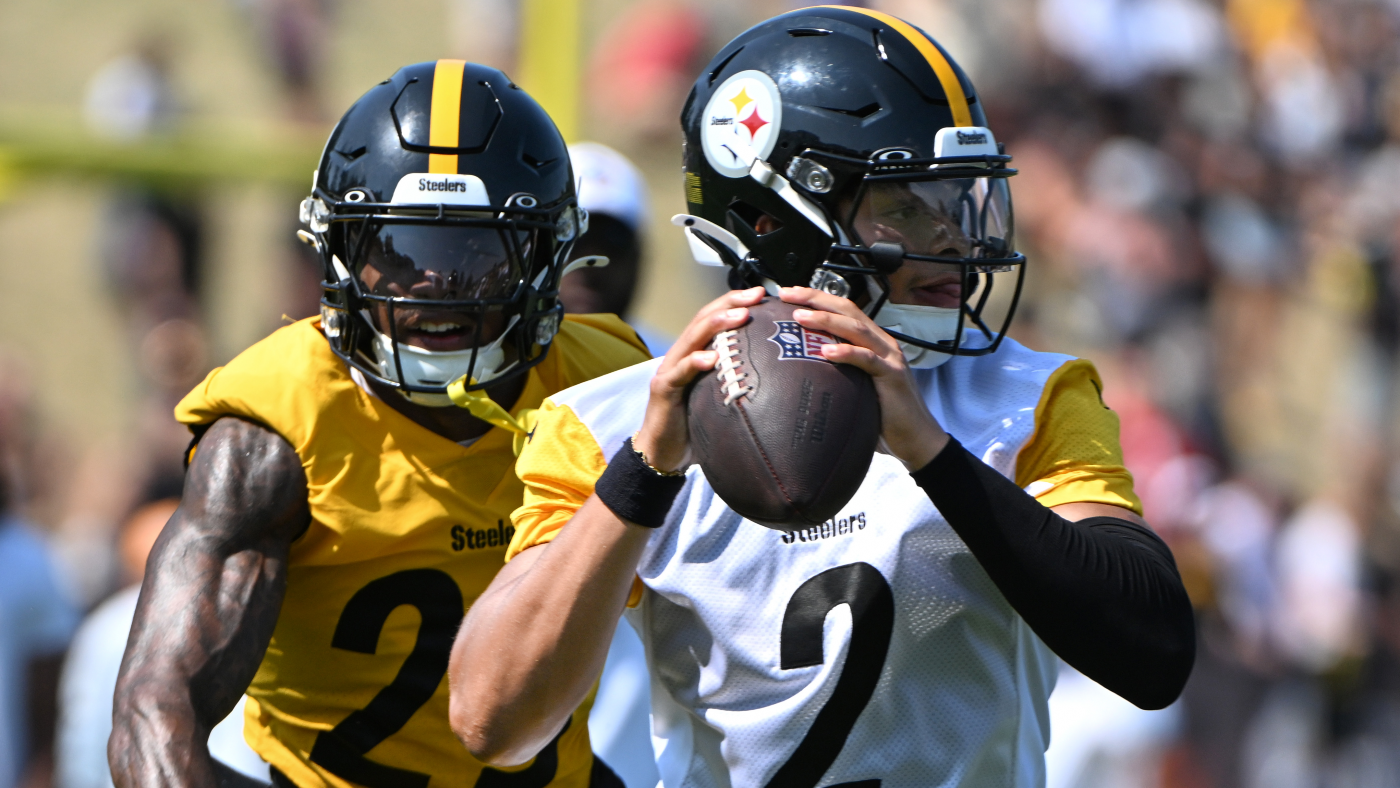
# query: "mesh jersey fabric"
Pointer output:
{"type": "Point", "coordinates": [407, 529]}
{"type": "Point", "coordinates": [1073, 455]}
{"type": "Point", "coordinates": [958, 696]}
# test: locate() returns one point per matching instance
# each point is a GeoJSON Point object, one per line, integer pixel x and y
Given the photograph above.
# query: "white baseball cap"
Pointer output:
{"type": "Point", "coordinates": [608, 183]}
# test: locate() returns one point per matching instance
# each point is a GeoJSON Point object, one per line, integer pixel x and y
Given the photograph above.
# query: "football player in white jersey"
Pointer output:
{"type": "Point", "coordinates": [840, 155]}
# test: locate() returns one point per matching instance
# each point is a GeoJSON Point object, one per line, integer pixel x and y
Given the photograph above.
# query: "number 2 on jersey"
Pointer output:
{"type": "Point", "coordinates": [342, 749]}
{"type": "Point", "coordinates": [861, 586]}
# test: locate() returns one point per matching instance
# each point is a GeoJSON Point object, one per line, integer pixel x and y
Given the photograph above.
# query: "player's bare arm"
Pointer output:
{"type": "Point", "coordinates": [211, 596]}
{"type": "Point", "coordinates": [534, 643]}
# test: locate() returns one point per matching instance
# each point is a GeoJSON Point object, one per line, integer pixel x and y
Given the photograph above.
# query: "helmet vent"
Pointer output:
{"type": "Point", "coordinates": [884, 56]}
{"type": "Point", "coordinates": [479, 113]}
{"type": "Point", "coordinates": [353, 154]}
{"type": "Point", "coordinates": [862, 113]}
{"type": "Point", "coordinates": [534, 162]}
{"type": "Point", "coordinates": [801, 32]}
{"type": "Point", "coordinates": [714, 74]}
{"type": "Point", "coordinates": [879, 45]}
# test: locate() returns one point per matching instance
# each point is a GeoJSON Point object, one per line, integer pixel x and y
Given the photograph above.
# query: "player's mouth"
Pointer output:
{"type": "Point", "coordinates": [941, 291]}
{"type": "Point", "coordinates": [438, 333]}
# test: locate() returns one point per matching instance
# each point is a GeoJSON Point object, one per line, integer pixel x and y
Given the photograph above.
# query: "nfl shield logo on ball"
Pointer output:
{"type": "Point", "coordinates": [796, 342]}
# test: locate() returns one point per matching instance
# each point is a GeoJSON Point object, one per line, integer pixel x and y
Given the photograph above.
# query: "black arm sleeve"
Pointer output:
{"type": "Point", "coordinates": [1103, 593]}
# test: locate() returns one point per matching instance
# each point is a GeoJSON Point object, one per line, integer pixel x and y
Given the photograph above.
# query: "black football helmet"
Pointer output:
{"type": "Point", "coordinates": [865, 147]}
{"type": "Point", "coordinates": [443, 210]}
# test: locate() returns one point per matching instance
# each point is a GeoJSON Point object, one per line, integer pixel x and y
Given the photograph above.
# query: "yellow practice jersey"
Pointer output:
{"type": "Point", "coordinates": [407, 529]}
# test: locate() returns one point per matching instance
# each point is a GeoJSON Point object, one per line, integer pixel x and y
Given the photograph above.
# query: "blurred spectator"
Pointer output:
{"type": "Point", "coordinates": [151, 256]}
{"type": "Point", "coordinates": [36, 621]}
{"type": "Point", "coordinates": [611, 189]}
{"type": "Point", "coordinates": [1319, 577]}
{"type": "Point", "coordinates": [292, 35]}
{"type": "Point", "coordinates": [150, 246]}
{"type": "Point", "coordinates": [1099, 740]}
{"type": "Point", "coordinates": [1207, 195]}
{"type": "Point", "coordinates": [484, 31]}
{"type": "Point", "coordinates": [131, 97]}
{"type": "Point", "coordinates": [1302, 107]}
{"type": "Point", "coordinates": [643, 66]}
{"type": "Point", "coordinates": [1119, 42]}
{"type": "Point", "coordinates": [303, 277]}
{"type": "Point", "coordinates": [89, 676]}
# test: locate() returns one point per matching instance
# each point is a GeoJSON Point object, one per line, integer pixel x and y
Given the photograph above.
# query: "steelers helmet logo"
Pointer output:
{"type": "Point", "coordinates": [741, 122]}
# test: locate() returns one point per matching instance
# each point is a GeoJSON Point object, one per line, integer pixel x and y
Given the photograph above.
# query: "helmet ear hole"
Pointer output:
{"type": "Point", "coordinates": [755, 220]}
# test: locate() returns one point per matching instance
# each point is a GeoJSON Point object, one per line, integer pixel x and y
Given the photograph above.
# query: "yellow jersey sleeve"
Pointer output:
{"type": "Point", "coordinates": [588, 346]}
{"type": "Point", "coordinates": [559, 465]}
{"type": "Point", "coordinates": [1074, 455]}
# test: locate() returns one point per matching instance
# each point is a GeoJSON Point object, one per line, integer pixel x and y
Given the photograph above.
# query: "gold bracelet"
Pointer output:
{"type": "Point", "coordinates": [647, 463]}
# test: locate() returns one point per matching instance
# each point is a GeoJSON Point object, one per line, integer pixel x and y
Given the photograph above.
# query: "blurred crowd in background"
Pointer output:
{"type": "Point", "coordinates": [1209, 195]}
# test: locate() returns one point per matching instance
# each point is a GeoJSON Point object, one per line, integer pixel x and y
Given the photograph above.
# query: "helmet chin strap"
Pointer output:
{"type": "Point", "coordinates": [704, 254]}
{"type": "Point", "coordinates": [589, 261]}
{"type": "Point", "coordinates": [763, 172]}
{"type": "Point", "coordinates": [488, 410]}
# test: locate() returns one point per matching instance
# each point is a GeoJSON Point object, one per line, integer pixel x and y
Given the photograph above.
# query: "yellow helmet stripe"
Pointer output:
{"type": "Point", "coordinates": [445, 115]}
{"type": "Point", "coordinates": [952, 88]}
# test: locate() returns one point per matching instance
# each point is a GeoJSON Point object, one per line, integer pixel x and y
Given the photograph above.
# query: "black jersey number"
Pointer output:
{"type": "Point", "coordinates": [861, 586]}
{"type": "Point", "coordinates": [538, 774]}
{"type": "Point", "coordinates": [342, 749]}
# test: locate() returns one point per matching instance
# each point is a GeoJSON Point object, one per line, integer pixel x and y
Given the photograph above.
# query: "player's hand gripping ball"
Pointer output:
{"type": "Point", "coordinates": [784, 436]}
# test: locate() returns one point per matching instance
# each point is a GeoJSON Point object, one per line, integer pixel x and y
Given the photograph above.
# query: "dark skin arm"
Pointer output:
{"type": "Point", "coordinates": [210, 599]}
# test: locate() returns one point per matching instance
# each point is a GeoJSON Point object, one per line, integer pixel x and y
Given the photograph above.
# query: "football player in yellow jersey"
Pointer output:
{"type": "Point", "coordinates": [349, 495]}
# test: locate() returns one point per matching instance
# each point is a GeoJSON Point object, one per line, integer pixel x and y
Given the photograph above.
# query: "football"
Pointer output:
{"type": "Point", "coordinates": [784, 436]}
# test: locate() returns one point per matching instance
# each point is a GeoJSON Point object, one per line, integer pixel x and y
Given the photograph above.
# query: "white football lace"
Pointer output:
{"type": "Point", "coordinates": [728, 367]}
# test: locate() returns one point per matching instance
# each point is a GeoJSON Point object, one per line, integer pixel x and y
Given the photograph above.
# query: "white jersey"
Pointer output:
{"type": "Point", "coordinates": [872, 650]}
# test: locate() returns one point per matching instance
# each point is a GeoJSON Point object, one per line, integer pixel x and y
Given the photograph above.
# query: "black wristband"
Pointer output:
{"type": "Point", "coordinates": [635, 491]}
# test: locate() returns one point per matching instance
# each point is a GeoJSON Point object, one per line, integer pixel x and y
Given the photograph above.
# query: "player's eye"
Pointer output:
{"type": "Point", "coordinates": [902, 212]}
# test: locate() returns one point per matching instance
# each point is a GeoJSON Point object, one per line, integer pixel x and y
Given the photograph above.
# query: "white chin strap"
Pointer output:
{"type": "Point", "coordinates": [440, 367]}
{"type": "Point", "coordinates": [929, 323]}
